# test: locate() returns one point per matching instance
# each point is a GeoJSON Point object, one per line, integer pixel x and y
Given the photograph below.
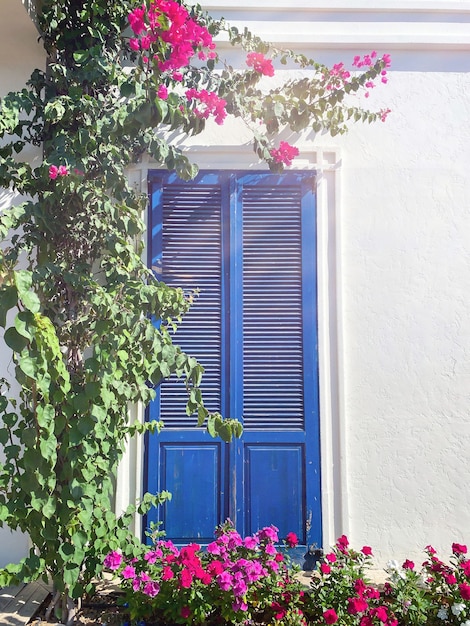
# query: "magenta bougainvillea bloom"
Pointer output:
{"type": "Point", "coordinates": [162, 92]}
{"type": "Point", "coordinates": [464, 589]}
{"type": "Point", "coordinates": [330, 616]}
{"type": "Point", "coordinates": [459, 548]}
{"type": "Point", "coordinates": [284, 154]}
{"type": "Point", "coordinates": [357, 605]}
{"type": "Point", "coordinates": [55, 171]}
{"type": "Point", "coordinates": [260, 64]}
{"type": "Point", "coordinates": [342, 543]}
{"type": "Point", "coordinates": [292, 540]}
{"type": "Point", "coordinates": [113, 560]}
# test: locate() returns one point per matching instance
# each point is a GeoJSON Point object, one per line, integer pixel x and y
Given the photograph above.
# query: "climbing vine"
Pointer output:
{"type": "Point", "coordinates": [77, 304]}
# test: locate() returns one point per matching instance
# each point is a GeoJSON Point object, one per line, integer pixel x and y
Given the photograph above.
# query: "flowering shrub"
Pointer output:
{"type": "Point", "coordinates": [341, 592]}
{"type": "Point", "coordinates": [234, 581]}
{"type": "Point", "coordinates": [437, 594]}
{"type": "Point", "coordinates": [249, 581]}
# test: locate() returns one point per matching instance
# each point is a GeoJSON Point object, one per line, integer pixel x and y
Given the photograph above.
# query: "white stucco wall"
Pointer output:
{"type": "Point", "coordinates": [405, 272]}
{"type": "Point", "coordinates": [394, 268]}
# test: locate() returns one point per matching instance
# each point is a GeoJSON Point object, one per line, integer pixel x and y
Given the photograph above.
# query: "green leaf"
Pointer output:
{"type": "Point", "coordinates": [71, 573]}
{"type": "Point", "coordinates": [8, 300]}
{"type": "Point", "coordinates": [14, 340]}
{"type": "Point", "coordinates": [80, 56]}
{"type": "Point", "coordinates": [28, 365]}
{"type": "Point", "coordinates": [49, 508]}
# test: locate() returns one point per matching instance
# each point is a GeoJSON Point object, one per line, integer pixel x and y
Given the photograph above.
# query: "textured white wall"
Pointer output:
{"type": "Point", "coordinates": [405, 278]}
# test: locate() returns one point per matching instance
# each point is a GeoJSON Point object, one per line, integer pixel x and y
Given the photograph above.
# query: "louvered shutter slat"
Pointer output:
{"type": "Point", "coordinates": [272, 308]}
{"type": "Point", "coordinates": [191, 247]}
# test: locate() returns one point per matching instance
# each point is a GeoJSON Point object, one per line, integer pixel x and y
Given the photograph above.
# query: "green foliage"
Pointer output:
{"type": "Point", "coordinates": [79, 318]}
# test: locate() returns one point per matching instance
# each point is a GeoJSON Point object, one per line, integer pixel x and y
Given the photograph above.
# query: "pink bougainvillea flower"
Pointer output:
{"type": "Point", "coordinates": [383, 116]}
{"type": "Point", "coordinates": [134, 44]}
{"type": "Point", "coordinates": [366, 550]}
{"type": "Point", "coordinates": [284, 154]}
{"type": "Point", "coordinates": [128, 572]}
{"type": "Point", "coordinates": [330, 616]}
{"type": "Point", "coordinates": [185, 612]}
{"type": "Point", "coordinates": [464, 589]}
{"type": "Point", "coordinates": [151, 588]}
{"type": "Point", "coordinates": [459, 548]}
{"type": "Point", "coordinates": [359, 586]}
{"type": "Point", "coordinates": [380, 613]}
{"type": "Point", "coordinates": [450, 579]}
{"type": "Point", "coordinates": [292, 540]}
{"type": "Point", "coordinates": [113, 560]}
{"type": "Point", "coordinates": [269, 533]}
{"type": "Point", "coordinates": [357, 605]}
{"type": "Point", "coordinates": [331, 557]}
{"type": "Point", "coordinates": [279, 610]}
{"type": "Point", "coordinates": [162, 92]}
{"type": "Point", "coordinates": [211, 105]}
{"type": "Point", "coordinates": [186, 578]}
{"type": "Point", "coordinates": [239, 605]}
{"type": "Point", "coordinates": [408, 564]}
{"type": "Point", "coordinates": [260, 64]}
{"type": "Point", "coordinates": [250, 542]}
{"type": "Point", "coordinates": [167, 573]}
{"type": "Point", "coordinates": [136, 19]}
{"type": "Point", "coordinates": [372, 593]}
{"type": "Point", "coordinates": [225, 581]}
{"type": "Point", "coordinates": [53, 172]}
{"type": "Point", "coordinates": [342, 543]}
{"type": "Point", "coordinates": [465, 565]}
{"type": "Point", "coordinates": [325, 568]}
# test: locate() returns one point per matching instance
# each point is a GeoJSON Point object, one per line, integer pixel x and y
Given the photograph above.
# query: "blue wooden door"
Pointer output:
{"type": "Point", "coordinates": [247, 242]}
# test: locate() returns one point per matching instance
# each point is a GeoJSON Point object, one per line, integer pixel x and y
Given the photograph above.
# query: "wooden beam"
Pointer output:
{"type": "Point", "coordinates": [19, 604]}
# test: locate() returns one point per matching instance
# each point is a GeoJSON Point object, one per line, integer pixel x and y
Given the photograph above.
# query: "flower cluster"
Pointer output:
{"type": "Point", "coordinates": [209, 104]}
{"type": "Point", "coordinates": [55, 171]}
{"type": "Point", "coordinates": [284, 154]}
{"type": "Point", "coordinates": [260, 64]}
{"type": "Point", "coordinates": [341, 592]}
{"type": "Point", "coordinates": [443, 595]}
{"type": "Point", "coordinates": [236, 579]}
{"type": "Point", "coordinates": [169, 23]}
{"type": "Point", "coordinates": [367, 61]}
{"type": "Point", "coordinates": [247, 580]}
{"type": "Point", "coordinates": [338, 76]}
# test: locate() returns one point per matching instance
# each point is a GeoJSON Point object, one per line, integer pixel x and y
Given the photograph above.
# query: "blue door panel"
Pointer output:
{"type": "Point", "coordinates": [274, 479]}
{"type": "Point", "coordinates": [192, 474]}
